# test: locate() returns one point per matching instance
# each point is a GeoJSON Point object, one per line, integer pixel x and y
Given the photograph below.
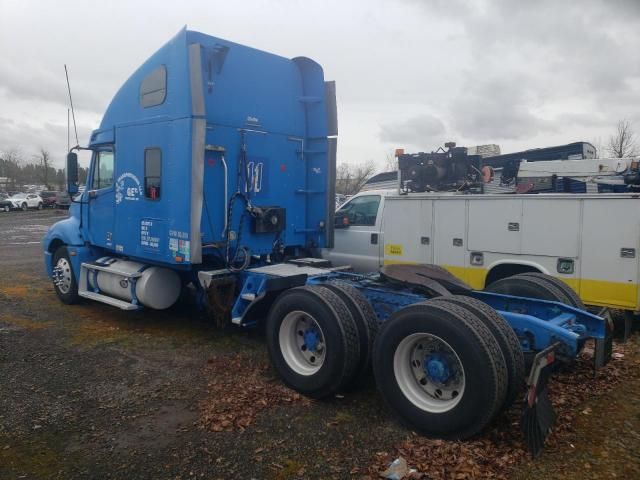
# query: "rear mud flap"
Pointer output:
{"type": "Point", "coordinates": [538, 416]}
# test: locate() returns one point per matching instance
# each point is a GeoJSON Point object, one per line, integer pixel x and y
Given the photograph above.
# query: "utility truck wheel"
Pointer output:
{"type": "Point", "coordinates": [365, 319]}
{"type": "Point", "coordinates": [312, 340]}
{"type": "Point", "coordinates": [531, 287]}
{"type": "Point", "coordinates": [572, 297]}
{"type": "Point", "coordinates": [64, 281]}
{"type": "Point", "coordinates": [507, 340]}
{"type": "Point", "coordinates": [24, 207]}
{"type": "Point", "coordinates": [440, 369]}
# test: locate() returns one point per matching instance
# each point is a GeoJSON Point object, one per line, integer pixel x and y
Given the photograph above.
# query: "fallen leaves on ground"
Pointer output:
{"type": "Point", "coordinates": [499, 449]}
{"type": "Point", "coordinates": [241, 387]}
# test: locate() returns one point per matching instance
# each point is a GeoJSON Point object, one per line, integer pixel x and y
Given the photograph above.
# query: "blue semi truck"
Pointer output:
{"type": "Point", "coordinates": [214, 167]}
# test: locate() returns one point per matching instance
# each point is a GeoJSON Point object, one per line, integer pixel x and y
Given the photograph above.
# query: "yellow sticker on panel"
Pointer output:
{"type": "Point", "coordinates": [392, 249]}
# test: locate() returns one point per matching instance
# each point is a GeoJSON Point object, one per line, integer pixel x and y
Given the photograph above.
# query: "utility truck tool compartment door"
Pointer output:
{"type": "Point", "coordinates": [610, 242]}
{"type": "Point", "coordinates": [407, 226]}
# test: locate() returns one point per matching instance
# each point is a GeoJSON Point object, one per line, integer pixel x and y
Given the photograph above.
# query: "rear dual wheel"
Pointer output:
{"type": "Point", "coordinates": [366, 323]}
{"type": "Point", "coordinates": [537, 285]}
{"type": "Point", "coordinates": [313, 341]}
{"type": "Point", "coordinates": [504, 335]}
{"type": "Point", "coordinates": [320, 337]}
{"type": "Point", "coordinates": [440, 369]}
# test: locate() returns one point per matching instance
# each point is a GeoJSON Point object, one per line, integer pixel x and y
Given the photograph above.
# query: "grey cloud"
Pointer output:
{"type": "Point", "coordinates": [413, 73]}
{"type": "Point", "coordinates": [422, 131]}
{"type": "Point", "coordinates": [38, 83]}
{"type": "Point", "coordinates": [496, 108]}
{"type": "Point", "coordinates": [27, 138]}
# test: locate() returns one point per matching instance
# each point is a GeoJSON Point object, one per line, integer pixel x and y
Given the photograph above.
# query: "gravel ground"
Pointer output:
{"type": "Point", "coordinates": [89, 391]}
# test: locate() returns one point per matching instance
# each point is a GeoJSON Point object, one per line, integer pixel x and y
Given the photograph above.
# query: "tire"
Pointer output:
{"type": "Point", "coordinates": [530, 287]}
{"type": "Point", "coordinates": [507, 340]}
{"type": "Point", "coordinates": [569, 293]}
{"type": "Point", "coordinates": [40, 206]}
{"type": "Point", "coordinates": [65, 285]}
{"type": "Point", "coordinates": [24, 207]}
{"type": "Point", "coordinates": [365, 319]}
{"type": "Point", "coordinates": [468, 347]}
{"type": "Point", "coordinates": [326, 321]}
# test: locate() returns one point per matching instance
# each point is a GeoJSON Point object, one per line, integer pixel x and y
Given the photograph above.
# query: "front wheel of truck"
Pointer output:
{"type": "Point", "coordinates": [64, 281]}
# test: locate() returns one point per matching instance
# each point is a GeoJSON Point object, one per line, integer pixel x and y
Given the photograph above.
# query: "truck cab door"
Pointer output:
{"type": "Point", "coordinates": [99, 217]}
{"type": "Point", "coordinates": [357, 234]}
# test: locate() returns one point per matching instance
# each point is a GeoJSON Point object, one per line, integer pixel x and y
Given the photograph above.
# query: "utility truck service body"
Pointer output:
{"type": "Point", "coordinates": [589, 241]}
{"type": "Point", "coordinates": [214, 167]}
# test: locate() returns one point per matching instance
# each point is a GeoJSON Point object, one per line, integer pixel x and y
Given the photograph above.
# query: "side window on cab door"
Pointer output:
{"type": "Point", "coordinates": [103, 170]}
{"type": "Point", "coordinates": [360, 211]}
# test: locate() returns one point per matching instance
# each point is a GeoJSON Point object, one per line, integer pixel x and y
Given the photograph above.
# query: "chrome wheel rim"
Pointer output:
{"type": "Point", "coordinates": [429, 372]}
{"type": "Point", "coordinates": [62, 275]}
{"type": "Point", "coordinates": [302, 343]}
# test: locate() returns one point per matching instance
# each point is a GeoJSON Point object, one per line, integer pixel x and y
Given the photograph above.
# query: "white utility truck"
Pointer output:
{"type": "Point", "coordinates": [589, 241]}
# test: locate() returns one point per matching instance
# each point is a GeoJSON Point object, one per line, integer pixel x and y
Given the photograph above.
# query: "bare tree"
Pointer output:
{"type": "Point", "coordinates": [623, 142]}
{"type": "Point", "coordinates": [10, 166]}
{"type": "Point", "coordinates": [350, 178]}
{"type": "Point", "coordinates": [390, 162]}
{"type": "Point", "coordinates": [44, 160]}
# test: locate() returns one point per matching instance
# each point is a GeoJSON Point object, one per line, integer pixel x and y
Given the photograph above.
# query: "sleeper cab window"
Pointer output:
{"type": "Point", "coordinates": [152, 173]}
{"type": "Point", "coordinates": [153, 88]}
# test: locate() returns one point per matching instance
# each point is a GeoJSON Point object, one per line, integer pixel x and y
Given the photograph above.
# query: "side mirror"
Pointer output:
{"type": "Point", "coordinates": [72, 173]}
{"type": "Point", "coordinates": [341, 221]}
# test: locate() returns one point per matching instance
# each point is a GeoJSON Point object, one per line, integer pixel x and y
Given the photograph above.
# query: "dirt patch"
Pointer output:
{"type": "Point", "coordinates": [23, 322]}
{"type": "Point", "coordinates": [501, 449]}
{"type": "Point", "coordinates": [240, 388]}
{"type": "Point", "coordinates": [15, 291]}
{"type": "Point", "coordinates": [88, 334]}
{"type": "Point", "coordinates": [34, 457]}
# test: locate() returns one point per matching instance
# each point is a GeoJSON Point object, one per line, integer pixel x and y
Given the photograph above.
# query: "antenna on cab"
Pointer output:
{"type": "Point", "coordinates": [73, 114]}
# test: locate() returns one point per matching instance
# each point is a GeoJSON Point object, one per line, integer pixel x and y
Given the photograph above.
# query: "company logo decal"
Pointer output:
{"type": "Point", "coordinates": [127, 188]}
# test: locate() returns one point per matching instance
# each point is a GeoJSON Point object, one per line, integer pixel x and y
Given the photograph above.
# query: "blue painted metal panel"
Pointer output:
{"type": "Point", "coordinates": [270, 107]}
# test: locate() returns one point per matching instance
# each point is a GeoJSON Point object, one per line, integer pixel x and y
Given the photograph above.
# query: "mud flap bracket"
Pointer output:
{"type": "Point", "coordinates": [538, 416]}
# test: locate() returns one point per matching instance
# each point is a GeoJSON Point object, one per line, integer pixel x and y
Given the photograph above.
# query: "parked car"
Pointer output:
{"type": "Point", "coordinates": [63, 200]}
{"type": "Point", "coordinates": [48, 198]}
{"type": "Point", "coordinates": [26, 200]}
{"type": "Point", "coordinates": [5, 204]}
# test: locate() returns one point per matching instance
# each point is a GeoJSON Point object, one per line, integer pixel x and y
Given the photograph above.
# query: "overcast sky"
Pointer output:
{"type": "Point", "coordinates": [409, 73]}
